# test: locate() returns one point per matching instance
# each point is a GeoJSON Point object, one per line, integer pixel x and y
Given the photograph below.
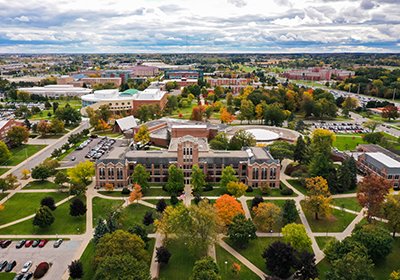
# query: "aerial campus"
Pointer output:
{"type": "Point", "coordinates": [173, 141]}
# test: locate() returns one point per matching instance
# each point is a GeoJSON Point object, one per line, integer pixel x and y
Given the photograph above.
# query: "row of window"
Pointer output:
{"type": "Point", "coordinates": [272, 173]}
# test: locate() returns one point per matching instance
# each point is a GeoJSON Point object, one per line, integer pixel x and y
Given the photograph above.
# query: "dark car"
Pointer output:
{"type": "Point", "coordinates": [27, 276]}
{"type": "Point", "coordinates": [28, 243]}
{"type": "Point", "coordinates": [20, 244]}
{"type": "Point", "coordinates": [19, 276]}
{"type": "Point", "coordinates": [5, 243]}
{"type": "Point", "coordinates": [35, 243]}
{"type": "Point", "coordinates": [10, 266]}
{"type": "Point", "coordinates": [3, 264]}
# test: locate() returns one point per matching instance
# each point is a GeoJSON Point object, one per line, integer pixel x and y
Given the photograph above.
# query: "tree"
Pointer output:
{"type": "Point", "coordinates": [77, 208]}
{"type": "Point", "coordinates": [41, 172]}
{"type": "Point", "coordinates": [255, 201]}
{"type": "Point", "coordinates": [241, 139]}
{"type": "Point", "coordinates": [227, 208]}
{"type": "Point", "coordinates": [318, 197]}
{"type": "Point", "coordinates": [56, 126]}
{"type": "Point", "coordinates": [246, 110]}
{"type": "Point", "coordinates": [373, 137]}
{"type": "Point", "coordinates": [300, 150]}
{"type": "Point", "coordinates": [175, 183]}
{"type": "Point", "coordinates": [197, 179]}
{"type": "Point", "coordinates": [274, 115]}
{"type": "Point", "coordinates": [10, 181]}
{"type": "Point", "coordinates": [81, 174]}
{"type": "Point", "coordinates": [120, 243]}
{"type": "Point", "coordinates": [371, 125]}
{"type": "Point", "coordinates": [371, 193]}
{"type": "Point", "coordinates": [43, 217]}
{"type": "Point", "coordinates": [61, 178]}
{"type": "Point", "coordinates": [320, 162]}
{"type": "Point", "coordinates": [122, 267]}
{"type": "Point", "coordinates": [281, 150]}
{"type": "Point", "coordinates": [280, 258]}
{"type": "Point", "coordinates": [296, 235]}
{"type": "Point", "coordinates": [142, 135]}
{"type": "Point", "coordinates": [136, 194]}
{"type": "Point", "coordinates": [18, 135]}
{"type": "Point", "coordinates": [43, 127]}
{"type": "Point", "coordinates": [25, 173]}
{"type": "Point", "coordinates": [237, 189]}
{"type": "Point", "coordinates": [306, 267]}
{"type": "Point", "coordinates": [289, 212]}
{"type": "Point", "coordinates": [241, 231]}
{"type": "Point", "coordinates": [266, 215]}
{"type": "Point", "coordinates": [228, 175]}
{"type": "Point", "coordinates": [5, 153]}
{"type": "Point", "coordinates": [100, 230]}
{"type": "Point", "coordinates": [391, 210]}
{"type": "Point", "coordinates": [162, 255]}
{"type": "Point", "coordinates": [347, 175]}
{"type": "Point", "coordinates": [49, 202]}
{"type": "Point", "coordinates": [205, 269]}
{"type": "Point", "coordinates": [220, 142]}
{"type": "Point", "coordinates": [68, 115]}
{"type": "Point", "coordinates": [225, 116]}
{"type": "Point", "coordinates": [148, 218]}
{"type": "Point", "coordinates": [161, 205]}
{"type": "Point", "coordinates": [376, 239]}
{"type": "Point", "coordinates": [75, 269]}
{"type": "Point", "coordinates": [390, 112]}
{"type": "Point", "coordinates": [197, 113]}
{"type": "Point", "coordinates": [102, 125]}
{"type": "Point", "coordinates": [141, 176]}
{"type": "Point", "coordinates": [351, 267]}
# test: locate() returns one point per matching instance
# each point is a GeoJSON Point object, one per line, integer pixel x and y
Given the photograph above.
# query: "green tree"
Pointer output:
{"type": "Point", "coordinates": [143, 113]}
{"type": "Point", "coordinates": [373, 137]}
{"type": "Point", "coordinates": [75, 269]}
{"type": "Point", "coordinates": [197, 179]}
{"type": "Point", "coordinates": [241, 231]}
{"type": "Point", "coordinates": [175, 183]}
{"type": "Point", "coordinates": [228, 175]}
{"type": "Point", "coordinates": [296, 235]}
{"type": "Point", "coordinates": [205, 269]}
{"type": "Point", "coordinates": [77, 208]}
{"type": "Point", "coordinates": [274, 115]}
{"type": "Point", "coordinates": [347, 175]}
{"type": "Point", "coordinates": [241, 139]}
{"type": "Point", "coordinates": [300, 151]}
{"type": "Point", "coordinates": [391, 210]}
{"type": "Point", "coordinates": [246, 110]}
{"type": "Point", "coordinates": [41, 172]}
{"type": "Point", "coordinates": [81, 174]}
{"type": "Point", "coordinates": [5, 153]}
{"type": "Point", "coordinates": [43, 218]}
{"type": "Point", "coordinates": [18, 135]}
{"type": "Point", "coordinates": [122, 267]}
{"type": "Point", "coordinates": [61, 178]}
{"type": "Point", "coordinates": [280, 258]}
{"type": "Point", "coordinates": [56, 126]}
{"type": "Point", "coordinates": [141, 176]}
{"type": "Point", "coordinates": [289, 212]}
{"type": "Point", "coordinates": [220, 142]}
{"type": "Point", "coordinates": [68, 115]}
{"type": "Point", "coordinates": [281, 150]}
{"type": "Point", "coordinates": [351, 267]}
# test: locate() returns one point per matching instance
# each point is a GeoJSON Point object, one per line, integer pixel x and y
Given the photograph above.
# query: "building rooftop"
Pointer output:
{"type": "Point", "coordinates": [126, 123]}
{"type": "Point", "coordinates": [202, 142]}
{"type": "Point", "coordinates": [385, 160]}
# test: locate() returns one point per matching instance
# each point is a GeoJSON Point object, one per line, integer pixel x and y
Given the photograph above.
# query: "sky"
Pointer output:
{"type": "Point", "coordinates": [205, 26]}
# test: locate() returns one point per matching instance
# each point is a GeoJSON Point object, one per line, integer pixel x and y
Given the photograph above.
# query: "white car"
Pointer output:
{"type": "Point", "coordinates": [26, 267]}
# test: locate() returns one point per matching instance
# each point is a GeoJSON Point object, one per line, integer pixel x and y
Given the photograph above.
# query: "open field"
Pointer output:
{"type": "Point", "coordinates": [21, 153]}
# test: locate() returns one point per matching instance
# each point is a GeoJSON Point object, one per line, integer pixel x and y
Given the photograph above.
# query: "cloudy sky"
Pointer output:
{"type": "Point", "coordinates": [272, 26]}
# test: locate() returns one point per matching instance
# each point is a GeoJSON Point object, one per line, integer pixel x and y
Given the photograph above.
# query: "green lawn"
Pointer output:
{"type": "Point", "coordinates": [3, 170]}
{"type": "Point", "coordinates": [7, 275]}
{"type": "Point", "coordinates": [133, 214]}
{"type": "Point", "coordinates": [323, 267]}
{"type": "Point", "coordinates": [255, 249]}
{"type": "Point", "coordinates": [21, 153]}
{"type": "Point", "coordinates": [3, 195]}
{"type": "Point", "coordinates": [102, 207]}
{"type": "Point", "coordinates": [87, 262]}
{"type": "Point", "coordinates": [155, 192]}
{"type": "Point", "coordinates": [297, 185]}
{"type": "Point", "coordinates": [350, 203]}
{"type": "Point", "coordinates": [108, 133]}
{"type": "Point", "coordinates": [21, 205]}
{"type": "Point", "coordinates": [336, 223]}
{"type": "Point", "coordinates": [216, 191]}
{"type": "Point", "coordinates": [323, 241]}
{"type": "Point", "coordinates": [64, 223]}
{"type": "Point", "coordinates": [180, 264]}
{"type": "Point", "coordinates": [185, 112]}
{"type": "Point", "coordinates": [113, 193]}
{"type": "Point", "coordinates": [41, 185]}
{"type": "Point", "coordinates": [347, 142]}
{"type": "Point", "coordinates": [225, 261]}
{"type": "Point", "coordinates": [43, 115]}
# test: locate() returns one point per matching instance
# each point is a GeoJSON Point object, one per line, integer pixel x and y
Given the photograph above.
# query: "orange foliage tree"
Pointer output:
{"type": "Point", "coordinates": [227, 207]}
{"type": "Point", "coordinates": [102, 125]}
{"type": "Point", "coordinates": [136, 193]}
{"type": "Point", "coordinates": [109, 187]}
{"type": "Point", "coordinates": [226, 117]}
{"type": "Point", "coordinates": [372, 192]}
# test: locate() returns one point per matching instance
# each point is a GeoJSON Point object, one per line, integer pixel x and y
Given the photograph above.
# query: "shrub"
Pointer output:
{"type": "Point", "coordinates": [174, 200]}
{"type": "Point", "coordinates": [125, 191]}
{"type": "Point", "coordinates": [161, 205]}
{"type": "Point", "coordinates": [41, 270]}
{"type": "Point", "coordinates": [208, 188]}
{"type": "Point", "coordinates": [75, 270]}
{"type": "Point", "coordinates": [162, 255]}
{"type": "Point", "coordinates": [49, 202]}
{"type": "Point", "coordinates": [255, 201]}
{"type": "Point", "coordinates": [249, 189]}
{"type": "Point", "coordinates": [286, 191]}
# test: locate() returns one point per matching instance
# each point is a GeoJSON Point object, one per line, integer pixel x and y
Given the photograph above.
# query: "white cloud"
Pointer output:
{"type": "Point", "coordinates": [22, 19]}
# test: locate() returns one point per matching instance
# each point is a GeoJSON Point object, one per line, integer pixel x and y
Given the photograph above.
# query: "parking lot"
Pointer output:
{"type": "Point", "coordinates": [59, 257]}
{"type": "Point", "coordinates": [97, 148]}
{"type": "Point", "coordinates": [349, 128]}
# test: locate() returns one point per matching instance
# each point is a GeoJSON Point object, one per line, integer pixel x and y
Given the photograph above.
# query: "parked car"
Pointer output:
{"type": "Point", "coordinates": [26, 267]}
{"type": "Point", "coordinates": [42, 243]}
{"type": "Point", "coordinates": [19, 276]}
{"type": "Point", "coordinates": [3, 265]}
{"type": "Point", "coordinates": [20, 244]}
{"type": "Point", "coordinates": [10, 266]}
{"type": "Point", "coordinates": [73, 158]}
{"type": "Point", "coordinates": [35, 243]}
{"type": "Point", "coordinates": [28, 243]}
{"type": "Point", "coordinates": [27, 276]}
{"type": "Point", "coordinates": [57, 243]}
{"type": "Point", "coordinates": [5, 243]}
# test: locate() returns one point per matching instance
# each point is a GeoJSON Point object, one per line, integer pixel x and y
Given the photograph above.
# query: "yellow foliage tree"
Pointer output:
{"type": "Point", "coordinates": [143, 134]}
{"type": "Point", "coordinates": [1, 207]}
{"type": "Point", "coordinates": [266, 215]}
{"type": "Point", "coordinates": [136, 193]}
{"type": "Point", "coordinates": [318, 197]}
{"type": "Point", "coordinates": [25, 173]}
{"type": "Point", "coordinates": [237, 189]}
{"type": "Point", "coordinates": [102, 125]}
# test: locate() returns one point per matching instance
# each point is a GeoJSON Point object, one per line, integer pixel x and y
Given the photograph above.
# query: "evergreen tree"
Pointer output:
{"type": "Point", "coordinates": [289, 212]}
{"type": "Point", "coordinates": [141, 176]}
{"type": "Point", "coordinates": [43, 217]}
{"type": "Point", "coordinates": [148, 218]}
{"type": "Point", "coordinates": [101, 229]}
{"type": "Point", "coordinates": [77, 208]}
{"type": "Point", "coordinates": [49, 202]}
{"type": "Point", "coordinates": [300, 150]}
{"type": "Point", "coordinates": [347, 175]}
{"type": "Point", "coordinates": [241, 231]}
{"type": "Point", "coordinates": [162, 255]}
{"type": "Point", "coordinates": [161, 205]}
{"type": "Point", "coordinates": [75, 269]}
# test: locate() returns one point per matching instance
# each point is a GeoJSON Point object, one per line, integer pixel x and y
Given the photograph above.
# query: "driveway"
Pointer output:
{"type": "Point", "coordinates": [59, 257]}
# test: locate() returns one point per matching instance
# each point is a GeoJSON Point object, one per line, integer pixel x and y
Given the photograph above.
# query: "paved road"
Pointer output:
{"type": "Point", "coordinates": [384, 128]}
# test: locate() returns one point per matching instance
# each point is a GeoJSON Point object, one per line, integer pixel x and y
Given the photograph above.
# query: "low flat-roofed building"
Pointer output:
{"type": "Point", "coordinates": [57, 90]}
{"type": "Point", "coordinates": [254, 165]}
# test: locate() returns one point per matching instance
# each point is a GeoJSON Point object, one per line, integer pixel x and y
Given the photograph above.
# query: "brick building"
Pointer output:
{"type": "Point", "coordinates": [5, 126]}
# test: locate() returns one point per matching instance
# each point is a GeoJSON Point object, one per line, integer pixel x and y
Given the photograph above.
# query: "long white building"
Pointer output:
{"type": "Point", "coordinates": [57, 90]}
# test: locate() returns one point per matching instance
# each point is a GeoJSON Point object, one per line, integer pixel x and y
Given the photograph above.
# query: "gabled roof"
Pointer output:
{"type": "Point", "coordinates": [126, 123]}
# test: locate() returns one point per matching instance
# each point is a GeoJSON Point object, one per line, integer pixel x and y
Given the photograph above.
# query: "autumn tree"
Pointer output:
{"type": "Point", "coordinates": [81, 175]}
{"type": "Point", "coordinates": [197, 179]}
{"type": "Point", "coordinates": [391, 210]}
{"type": "Point", "coordinates": [136, 193]}
{"type": "Point", "coordinates": [141, 176]}
{"type": "Point", "coordinates": [228, 175]}
{"type": "Point", "coordinates": [142, 135]}
{"type": "Point", "coordinates": [225, 116]}
{"type": "Point", "coordinates": [318, 197]}
{"type": "Point", "coordinates": [296, 235]}
{"type": "Point", "coordinates": [266, 215]}
{"type": "Point", "coordinates": [237, 189]}
{"type": "Point", "coordinates": [43, 127]}
{"type": "Point", "coordinates": [25, 173]}
{"type": "Point", "coordinates": [227, 208]}
{"type": "Point", "coordinates": [5, 153]}
{"type": "Point", "coordinates": [371, 193]}
{"type": "Point", "coordinates": [109, 187]}
{"type": "Point", "coordinates": [18, 135]}
{"type": "Point", "coordinates": [390, 112]}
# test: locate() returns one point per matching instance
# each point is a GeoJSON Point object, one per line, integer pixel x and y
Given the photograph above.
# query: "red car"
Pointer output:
{"type": "Point", "coordinates": [42, 243]}
{"type": "Point", "coordinates": [28, 243]}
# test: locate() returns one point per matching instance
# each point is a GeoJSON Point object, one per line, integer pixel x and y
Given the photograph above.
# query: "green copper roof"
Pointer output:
{"type": "Point", "coordinates": [130, 91]}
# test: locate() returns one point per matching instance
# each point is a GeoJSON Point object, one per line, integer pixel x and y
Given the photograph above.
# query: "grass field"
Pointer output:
{"type": "Point", "coordinates": [103, 207]}
{"type": "Point", "coordinates": [347, 142]}
{"type": "Point", "coordinates": [133, 214]}
{"type": "Point", "coordinates": [297, 185]}
{"type": "Point", "coordinates": [113, 193]}
{"type": "Point", "coordinates": [350, 203]}
{"type": "Point", "coordinates": [7, 275]}
{"type": "Point", "coordinates": [41, 185]}
{"type": "Point", "coordinates": [185, 112]}
{"type": "Point", "coordinates": [155, 192]}
{"type": "Point", "coordinates": [25, 204]}
{"type": "Point", "coordinates": [3, 170]}
{"type": "Point", "coordinates": [323, 241]}
{"type": "Point", "coordinates": [3, 195]}
{"type": "Point", "coordinates": [43, 115]}
{"type": "Point", "coordinates": [87, 262]}
{"type": "Point", "coordinates": [21, 153]}
{"type": "Point", "coordinates": [225, 261]}
{"type": "Point", "coordinates": [255, 249]}
{"type": "Point", "coordinates": [336, 223]}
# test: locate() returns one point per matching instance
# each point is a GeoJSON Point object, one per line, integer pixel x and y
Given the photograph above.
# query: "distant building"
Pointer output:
{"type": "Point", "coordinates": [125, 124]}
{"type": "Point", "coordinates": [228, 81]}
{"type": "Point", "coordinates": [125, 75]}
{"type": "Point", "coordinates": [5, 126]}
{"type": "Point", "coordinates": [56, 91]}
{"type": "Point", "coordinates": [144, 71]}
{"type": "Point", "coordinates": [99, 81]}
{"type": "Point", "coordinates": [186, 74]}
{"type": "Point", "coordinates": [317, 74]}
{"type": "Point", "coordinates": [379, 161]}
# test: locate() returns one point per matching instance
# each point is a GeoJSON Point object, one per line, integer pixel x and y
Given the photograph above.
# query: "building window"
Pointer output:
{"type": "Point", "coordinates": [272, 174]}
{"type": "Point", "coordinates": [111, 173]}
{"type": "Point", "coordinates": [263, 173]}
{"type": "Point", "coordinates": [255, 173]}
{"type": "Point", "coordinates": [102, 173]}
{"type": "Point", "coordinates": [120, 174]}
{"type": "Point", "coordinates": [390, 177]}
